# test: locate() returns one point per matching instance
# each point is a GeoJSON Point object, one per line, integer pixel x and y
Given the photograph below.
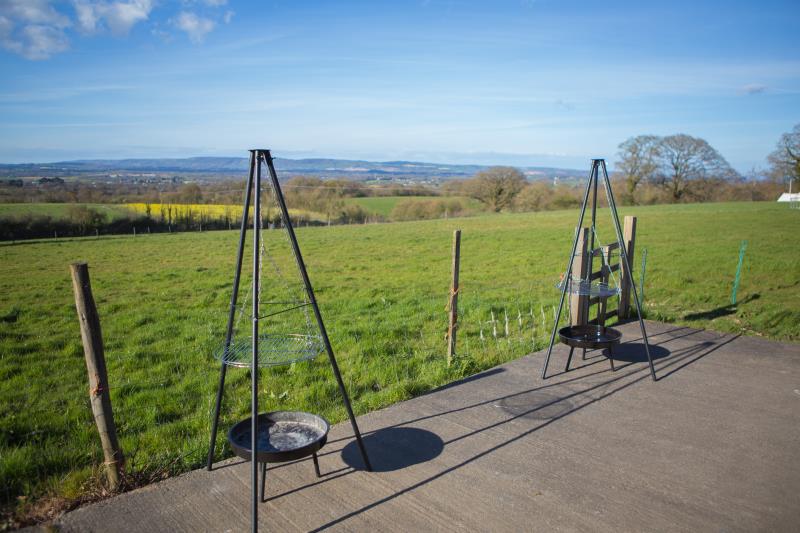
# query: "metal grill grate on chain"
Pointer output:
{"type": "Point", "coordinates": [273, 350]}
{"type": "Point", "coordinates": [583, 287]}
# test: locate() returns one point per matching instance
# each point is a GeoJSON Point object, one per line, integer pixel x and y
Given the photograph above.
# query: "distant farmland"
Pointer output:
{"type": "Point", "coordinates": [374, 205]}
{"type": "Point", "coordinates": [61, 210]}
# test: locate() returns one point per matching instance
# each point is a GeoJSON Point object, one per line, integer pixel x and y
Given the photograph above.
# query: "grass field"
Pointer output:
{"type": "Point", "coordinates": [58, 211]}
{"type": "Point", "coordinates": [382, 289]}
{"type": "Point", "coordinates": [383, 205]}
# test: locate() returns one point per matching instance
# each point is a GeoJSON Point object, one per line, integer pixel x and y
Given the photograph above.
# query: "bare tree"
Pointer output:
{"type": "Point", "coordinates": [684, 159]}
{"type": "Point", "coordinates": [638, 162]}
{"type": "Point", "coordinates": [676, 162]}
{"type": "Point", "coordinates": [785, 159]}
{"type": "Point", "coordinates": [496, 186]}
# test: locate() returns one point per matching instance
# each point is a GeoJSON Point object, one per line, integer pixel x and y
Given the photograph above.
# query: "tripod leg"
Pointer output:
{"type": "Point", "coordinates": [583, 356]}
{"type": "Point", "coordinates": [316, 464]}
{"type": "Point", "coordinates": [572, 349]}
{"type": "Point", "coordinates": [215, 420]}
{"type": "Point", "coordinates": [612, 204]}
{"type": "Point", "coordinates": [568, 273]}
{"type": "Point", "coordinates": [263, 481]}
{"type": "Point", "coordinates": [313, 301]}
{"type": "Point", "coordinates": [611, 358]}
{"type": "Point", "coordinates": [231, 313]}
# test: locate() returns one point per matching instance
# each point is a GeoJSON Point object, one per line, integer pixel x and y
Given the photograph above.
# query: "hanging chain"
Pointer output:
{"type": "Point", "coordinates": [243, 305]}
{"type": "Point", "coordinates": [295, 297]}
{"type": "Point", "coordinates": [603, 259]}
{"type": "Point", "coordinates": [277, 268]}
{"type": "Point", "coordinates": [262, 250]}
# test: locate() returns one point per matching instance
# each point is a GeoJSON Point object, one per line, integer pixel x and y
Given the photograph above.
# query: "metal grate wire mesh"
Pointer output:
{"type": "Point", "coordinates": [273, 350]}
{"type": "Point", "coordinates": [585, 287]}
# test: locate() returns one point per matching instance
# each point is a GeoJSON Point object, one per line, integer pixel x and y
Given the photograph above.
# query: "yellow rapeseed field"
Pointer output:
{"type": "Point", "coordinates": [213, 211]}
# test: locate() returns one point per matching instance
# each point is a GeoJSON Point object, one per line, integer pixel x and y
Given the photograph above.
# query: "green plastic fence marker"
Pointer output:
{"type": "Point", "coordinates": [641, 278]}
{"type": "Point", "coordinates": [742, 248]}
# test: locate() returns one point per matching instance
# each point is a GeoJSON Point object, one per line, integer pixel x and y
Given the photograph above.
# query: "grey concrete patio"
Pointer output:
{"type": "Point", "coordinates": [714, 445]}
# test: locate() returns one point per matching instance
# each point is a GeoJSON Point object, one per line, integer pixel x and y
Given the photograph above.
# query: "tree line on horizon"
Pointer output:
{"type": "Point", "coordinates": [650, 169]}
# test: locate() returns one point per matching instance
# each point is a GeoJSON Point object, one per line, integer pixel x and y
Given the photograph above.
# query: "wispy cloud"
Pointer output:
{"type": "Point", "coordinates": [194, 26]}
{"type": "Point", "coordinates": [60, 93]}
{"type": "Point", "coordinates": [566, 106]}
{"type": "Point", "coordinates": [754, 88]}
{"type": "Point", "coordinates": [38, 42]}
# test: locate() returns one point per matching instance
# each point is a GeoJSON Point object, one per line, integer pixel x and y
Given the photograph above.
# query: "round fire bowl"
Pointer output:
{"type": "Point", "coordinates": [589, 336]}
{"type": "Point", "coordinates": [282, 436]}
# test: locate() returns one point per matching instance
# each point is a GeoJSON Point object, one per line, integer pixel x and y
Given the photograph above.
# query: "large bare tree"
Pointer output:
{"type": "Point", "coordinates": [638, 162]}
{"type": "Point", "coordinates": [675, 162]}
{"type": "Point", "coordinates": [785, 159]}
{"type": "Point", "coordinates": [496, 186]}
{"type": "Point", "coordinates": [684, 159]}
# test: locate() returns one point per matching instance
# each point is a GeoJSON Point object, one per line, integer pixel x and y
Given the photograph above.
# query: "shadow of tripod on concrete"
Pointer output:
{"type": "Point", "coordinates": [395, 448]}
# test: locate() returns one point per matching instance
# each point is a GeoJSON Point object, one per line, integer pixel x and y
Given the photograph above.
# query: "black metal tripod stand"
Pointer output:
{"type": "Point", "coordinates": [598, 165]}
{"type": "Point", "coordinates": [253, 188]}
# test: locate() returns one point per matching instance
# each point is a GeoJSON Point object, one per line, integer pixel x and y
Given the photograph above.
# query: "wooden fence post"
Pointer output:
{"type": "Point", "coordinates": [92, 338]}
{"type": "Point", "coordinates": [629, 239]}
{"type": "Point", "coordinates": [579, 304]}
{"type": "Point", "coordinates": [453, 303]}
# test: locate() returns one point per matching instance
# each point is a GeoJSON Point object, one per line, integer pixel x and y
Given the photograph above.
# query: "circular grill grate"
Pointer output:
{"type": "Point", "coordinates": [273, 350]}
{"type": "Point", "coordinates": [588, 288]}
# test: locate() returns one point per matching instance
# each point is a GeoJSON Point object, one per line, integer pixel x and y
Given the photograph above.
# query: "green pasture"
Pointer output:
{"type": "Point", "coordinates": [383, 205]}
{"type": "Point", "coordinates": [382, 289]}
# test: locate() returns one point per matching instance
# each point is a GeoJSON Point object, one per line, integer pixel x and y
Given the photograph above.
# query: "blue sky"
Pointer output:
{"type": "Point", "coordinates": [542, 82]}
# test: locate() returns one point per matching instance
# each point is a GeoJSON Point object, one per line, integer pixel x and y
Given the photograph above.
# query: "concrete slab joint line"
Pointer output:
{"type": "Point", "coordinates": [712, 446]}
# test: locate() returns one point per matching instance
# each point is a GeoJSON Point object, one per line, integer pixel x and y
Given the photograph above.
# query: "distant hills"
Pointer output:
{"type": "Point", "coordinates": [211, 168]}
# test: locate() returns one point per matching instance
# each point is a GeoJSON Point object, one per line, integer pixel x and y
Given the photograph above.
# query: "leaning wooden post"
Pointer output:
{"type": "Point", "coordinates": [96, 366]}
{"type": "Point", "coordinates": [579, 303]}
{"type": "Point", "coordinates": [629, 238]}
{"type": "Point", "coordinates": [453, 303]}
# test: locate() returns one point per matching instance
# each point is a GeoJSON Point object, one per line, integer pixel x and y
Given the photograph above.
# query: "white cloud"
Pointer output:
{"type": "Point", "coordinates": [33, 12]}
{"type": "Point", "coordinates": [32, 28]}
{"type": "Point", "coordinates": [119, 17]}
{"type": "Point", "coordinates": [195, 27]}
{"type": "Point", "coordinates": [37, 41]}
{"type": "Point", "coordinates": [35, 29]}
{"type": "Point", "coordinates": [87, 14]}
{"type": "Point", "coordinates": [6, 27]}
